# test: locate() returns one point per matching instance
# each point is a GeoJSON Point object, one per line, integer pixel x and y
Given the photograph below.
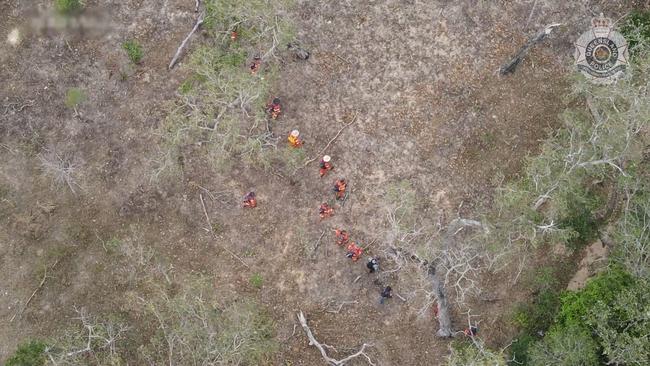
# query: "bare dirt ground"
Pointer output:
{"type": "Point", "coordinates": [421, 77]}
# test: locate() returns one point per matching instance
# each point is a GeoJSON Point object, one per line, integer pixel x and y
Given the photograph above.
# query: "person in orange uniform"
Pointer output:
{"type": "Point", "coordinates": [339, 188]}
{"type": "Point", "coordinates": [325, 210]}
{"type": "Point", "coordinates": [342, 237]}
{"type": "Point", "coordinates": [354, 252]}
{"type": "Point", "coordinates": [249, 200]}
{"type": "Point", "coordinates": [294, 139]}
{"type": "Point", "coordinates": [325, 165]}
{"type": "Point", "coordinates": [255, 66]}
{"type": "Point", "coordinates": [274, 108]}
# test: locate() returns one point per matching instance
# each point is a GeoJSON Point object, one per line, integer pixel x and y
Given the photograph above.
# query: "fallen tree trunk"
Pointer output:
{"type": "Point", "coordinates": [511, 66]}
{"type": "Point", "coordinates": [444, 315]}
{"type": "Point", "coordinates": [180, 49]}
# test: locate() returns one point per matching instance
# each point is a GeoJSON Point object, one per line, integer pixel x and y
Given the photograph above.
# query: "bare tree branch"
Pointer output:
{"type": "Point", "coordinates": [22, 310]}
{"type": "Point", "coordinates": [180, 49]}
{"type": "Point", "coordinates": [511, 65]}
{"type": "Point", "coordinates": [321, 347]}
{"type": "Point", "coordinates": [354, 119]}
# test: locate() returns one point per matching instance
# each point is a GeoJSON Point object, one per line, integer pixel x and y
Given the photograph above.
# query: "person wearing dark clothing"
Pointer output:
{"type": "Point", "coordinates": [373, 265]}
{"type": "Point", "coordinates": [471, 331]}
{"type": "Point", "coordinates": [387, 293]}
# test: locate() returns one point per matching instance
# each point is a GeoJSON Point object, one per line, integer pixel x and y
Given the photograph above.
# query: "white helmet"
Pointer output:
{"type": "Point", "coordinates": [295, 133]}
{"type": "Point", "coordinates": [327, 158]}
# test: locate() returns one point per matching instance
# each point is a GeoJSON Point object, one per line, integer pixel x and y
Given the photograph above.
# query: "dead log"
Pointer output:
{"type": "Point", "coordinates": [180, 49]}
{"type": "Point", "coordinates": [511, 66]}
{"type": "Point", "coordinates": [444, 315]}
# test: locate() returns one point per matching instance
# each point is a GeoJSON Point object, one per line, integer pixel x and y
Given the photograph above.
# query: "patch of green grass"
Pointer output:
{"type": "Point", "coordinates": [28, 354]}
{"type": "Point", "coordinates": [636, 28]}
{"type": "Point", "coordinates": [217, 227]}
{"type": "Point", "coordinates": [293, 158]}
{"type": "Point", "coordinates": [185, 87]}
{"type": "Point", "coordinates": [112, 245]}
{"type": "Point", "coordinates": [256, 280]}
{"type": "Point", "coordinates": [488, 139]}
{"type": "Point", "coordinates": [204, 331]}
{"type": "Point", "coordinates": [402, 197]}
{"type": "Point", "coordinates": [74, 97]}
{"type": "Point", "coordinates": [68, 7]}
{"type": "Point", "coordinates": [133, 50]}
{"type": "Point", "coordinates": [233, 58]}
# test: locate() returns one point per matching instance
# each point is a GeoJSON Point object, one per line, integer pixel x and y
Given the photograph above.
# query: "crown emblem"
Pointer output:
{"type": "Point", "coordinates": [601, 22]}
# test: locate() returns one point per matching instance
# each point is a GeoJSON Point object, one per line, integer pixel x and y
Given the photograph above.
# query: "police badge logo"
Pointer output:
{"type": "Point", "coordinates": [601, 53]}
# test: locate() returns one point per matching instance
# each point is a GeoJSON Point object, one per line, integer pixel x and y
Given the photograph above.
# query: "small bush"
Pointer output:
{"type": "Point", "coordinates": [464, 353]}
{"type": "Point", "coordinates": [133, 50]}
{"type": "Point", "coordinates": [538, 316]}
{"type": "Point", "coordinates": [256, 280]}
{"type": "Point", "coordinates": [69, 6]}
{"type": "Point", "coordinates": [74, 97]}
{"type": "Point", "coordinates": [636, 28]}
{"type": "Point", "coordinates": [28, 354]}
{"type": "Point", "coordinates": [604, 288]}
{"type": "Point", "coordinates": [565, 347]}
{"type": "Point", "coordinates": [579, 218]}
{"type": "Point", "coordinates": [520, 348]}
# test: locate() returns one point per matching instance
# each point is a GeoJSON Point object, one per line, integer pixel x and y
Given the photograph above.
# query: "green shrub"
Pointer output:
{"type": "Point", "coordinates": [520, 348]}
{"type": "Point", "coordinates": [579, 218]}
{"type": "Point", "coordinates": [603, 288]}
{"type": "Point", "coordinates": [28, 354]}
{"type": "Point", "coordinates": [69, 6]}
{"type": "Point", "coordinates": [622, 326]}
{"type": "Point", "coordinates": [565, 347]}
{"type": "Point", "coordinates": [474, 353]}
{"type": "Point", "coordinates": [133, 50]}
{"type": "Point", "coordinates": [256, 280]}
{"type": "Point", "coordinates": [74, 97]}
{"type": "Point", "coordinates": [539, 315]}
{"type": "Point", "coordinates": [636, 28]}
